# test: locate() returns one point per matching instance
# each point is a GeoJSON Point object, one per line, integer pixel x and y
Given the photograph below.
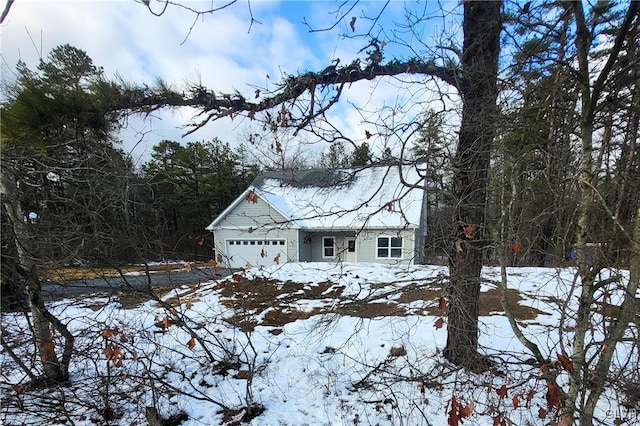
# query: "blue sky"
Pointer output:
{"type": "Point", "coordinates": [127, 40]}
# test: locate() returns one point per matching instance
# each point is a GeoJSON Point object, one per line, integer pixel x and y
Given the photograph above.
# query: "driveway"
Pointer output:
{"type": "Point", "coordinates": [53, 290]}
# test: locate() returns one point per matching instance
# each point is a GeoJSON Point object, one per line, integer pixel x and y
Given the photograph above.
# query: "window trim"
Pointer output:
{"type": "Point", "coordinates": [389, 247]}
{"type": "Point", "coordinates": [333, 247]}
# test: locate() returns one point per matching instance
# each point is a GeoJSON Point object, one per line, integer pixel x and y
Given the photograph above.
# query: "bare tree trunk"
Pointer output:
{"type": "Point", "coordinates": [587, 269]}
{"type": "Point", "coordinates": [481, 48]}
{"type": "Point", "coordinates": [42, 326]}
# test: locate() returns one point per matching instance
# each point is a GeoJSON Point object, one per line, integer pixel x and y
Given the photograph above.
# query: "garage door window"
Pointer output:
{"type": "Point", "coordinates": [256, 242]}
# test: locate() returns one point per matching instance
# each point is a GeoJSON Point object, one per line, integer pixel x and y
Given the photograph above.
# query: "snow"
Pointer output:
{"type": "Point", "coordinates": [374, 197]}
{"type": "Point", "coordinates": [329, 363]}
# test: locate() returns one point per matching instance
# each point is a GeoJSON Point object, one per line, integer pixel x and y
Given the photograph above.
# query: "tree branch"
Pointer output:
{"type": "Point", "coordinates": [5, 12]}
{"type": "Point", "coordinates": [215, 106]}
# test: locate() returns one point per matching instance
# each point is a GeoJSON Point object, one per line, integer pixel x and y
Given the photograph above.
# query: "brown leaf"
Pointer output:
{"type": "Point", "coordinates": [453, 419]}
{"type": "Point", "coordinates": [516, 246]}
{"type": "Point", "coordinates": [191, 343]}
{"type": "Point", "coordinates": [459, 247]}
{"type": "Point", "coordinates": [439, 323]}
{"type": "Point", "coordinates": [276, 259]}
{"type": "Point", "coordinates": [516, 400]}
{"type": "Point", "coordinates": [466, 410]}
{"type": "Point", "coordinates": [251, 115]}
{"type": "Point", "coordinates": [442, 303]}
{"type": "Point", "coordinates": [458, 411]}
{"type": "Point", "coordinates": [499, 421]}
{"type": "Point", "coordinates": [109, 332]}
{"type": "Point", "coordinates": [352, 24]}
{"type": "Point", "coordinates": [542, 413]}
{"type": "Point", "coordinates": [114, 354]}
{"type": "Point", "coordinates": [530, 396]}
{"type": "Point", "coordinates": [263, 253]}
{"type": "Point", "coordinates": [165, 322]}
{"type": "Point", "coordinates": [47, 349]}
{"type": "Point", "coordinates": [565, 362]}
{"type": "Point", "coordinates": [502, 391]}
{"type": "Point", "coordinates": [383, 44]}
{"type": "Point", "coordinates": [468, 231]}
{"type": "Point", "coordinates": [553, 395]}
{"type": "Point", "coordinates": [367, 134]}
{"type": "Point", "coordinates": [257, 93]}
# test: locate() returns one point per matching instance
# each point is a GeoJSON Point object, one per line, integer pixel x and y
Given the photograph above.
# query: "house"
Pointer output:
{"type": "Point", "coordinates": [372, 214]}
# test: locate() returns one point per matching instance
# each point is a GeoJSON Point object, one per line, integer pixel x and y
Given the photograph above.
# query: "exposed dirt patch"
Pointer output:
{"type": "Point", "coordinates": [280, 316]}
{"type": "Point", "coordinates": [362, 309]}
{"type": "Point", "coordinates": [613, 311]}
{"type": "Point", "coordinates": [278, 301]}
{"type": "Point", "coordinates": [490, 305]}
{"type": "Point", "coordinates": [240, 416]}
{"type": "Point", "coordinates": [413, 292]}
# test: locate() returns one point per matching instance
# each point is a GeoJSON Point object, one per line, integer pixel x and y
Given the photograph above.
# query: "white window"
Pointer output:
{"type": "Point", "coordinates": [328, 247]}
{"type": "Point", "coordinates": [389, 247]}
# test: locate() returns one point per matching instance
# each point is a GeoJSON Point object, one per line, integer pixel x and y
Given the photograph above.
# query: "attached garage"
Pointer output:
{"type": "Point", "coordinates": [257, 252]}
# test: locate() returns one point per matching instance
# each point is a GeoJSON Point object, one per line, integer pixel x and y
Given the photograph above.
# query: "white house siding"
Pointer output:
{"type": "Point", "coordinates": [250, 215]}
{"type": "Point", "coordinates": [367, 246]}
{"type": "Point", "coordinates": [255, 225]}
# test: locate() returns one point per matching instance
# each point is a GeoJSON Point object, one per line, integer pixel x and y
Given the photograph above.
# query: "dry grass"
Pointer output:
{"type": "Point", "coordinates": [87, 273]}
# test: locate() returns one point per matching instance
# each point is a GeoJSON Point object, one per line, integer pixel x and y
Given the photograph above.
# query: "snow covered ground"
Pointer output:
{"type": "Point", "coordinates": [306, 344]}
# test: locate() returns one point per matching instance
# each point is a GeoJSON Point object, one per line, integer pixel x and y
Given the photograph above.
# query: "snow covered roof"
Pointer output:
{"type": "Point", "coordinates": [379, 197]}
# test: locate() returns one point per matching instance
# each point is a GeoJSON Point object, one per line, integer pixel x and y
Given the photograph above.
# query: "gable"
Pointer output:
{"type": "Point", "coordinates": [250, 211]}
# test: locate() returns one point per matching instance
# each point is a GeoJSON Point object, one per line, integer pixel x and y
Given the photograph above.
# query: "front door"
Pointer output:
{"type": "Point", "coordinates": [350, 254]}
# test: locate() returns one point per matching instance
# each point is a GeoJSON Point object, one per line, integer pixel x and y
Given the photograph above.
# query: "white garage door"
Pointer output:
{"type": "Point", "coordinates": [256, 252]}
